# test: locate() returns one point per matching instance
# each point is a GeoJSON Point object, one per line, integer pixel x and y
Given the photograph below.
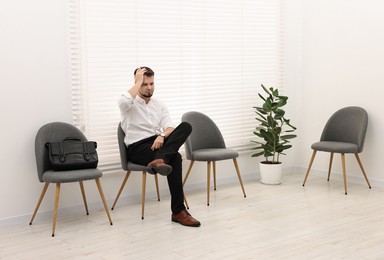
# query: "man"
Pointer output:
{"type": "Point", "coordinates": [152, 139]}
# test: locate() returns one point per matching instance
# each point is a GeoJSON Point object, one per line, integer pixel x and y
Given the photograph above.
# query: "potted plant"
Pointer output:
{"type": "Point", "coordinates": [274, 132]}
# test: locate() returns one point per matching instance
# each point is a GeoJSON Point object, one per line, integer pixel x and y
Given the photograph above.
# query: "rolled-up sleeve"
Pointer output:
{"type": "Point", "coordinates": [125, 102]}
{"type": "Point", "coordinates": [166, 120]}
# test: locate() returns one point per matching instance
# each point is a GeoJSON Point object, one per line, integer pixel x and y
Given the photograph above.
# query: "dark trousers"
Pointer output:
{"type": "Point", "coordinates": [141, 153]}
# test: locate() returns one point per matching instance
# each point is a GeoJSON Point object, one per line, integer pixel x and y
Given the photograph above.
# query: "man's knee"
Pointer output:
{"type": "Point", "coordinates": [187, 128]}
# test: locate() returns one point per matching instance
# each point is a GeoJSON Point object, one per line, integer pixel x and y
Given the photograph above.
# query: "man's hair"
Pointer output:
{"type": "Point", "coordinates": [148, 73]}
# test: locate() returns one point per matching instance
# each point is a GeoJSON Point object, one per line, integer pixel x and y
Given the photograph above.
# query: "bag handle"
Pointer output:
{"type": "Point", "coordinates": [72, 139]}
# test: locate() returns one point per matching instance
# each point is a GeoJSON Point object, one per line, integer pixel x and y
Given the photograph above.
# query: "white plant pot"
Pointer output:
{"type": "Point", "coordinates": [271, 173]}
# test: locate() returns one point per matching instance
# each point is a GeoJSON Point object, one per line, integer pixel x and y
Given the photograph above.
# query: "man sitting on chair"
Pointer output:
{"type": "Point", "coordinates": [152, 140]}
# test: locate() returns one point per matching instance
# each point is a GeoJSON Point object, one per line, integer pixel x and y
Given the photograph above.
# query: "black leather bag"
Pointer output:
{"type": "Point", "coordinates": [72, 154]}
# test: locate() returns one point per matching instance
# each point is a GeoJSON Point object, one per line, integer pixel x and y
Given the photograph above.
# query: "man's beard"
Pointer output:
{"type": "Point", "coordinates": [146, 95]}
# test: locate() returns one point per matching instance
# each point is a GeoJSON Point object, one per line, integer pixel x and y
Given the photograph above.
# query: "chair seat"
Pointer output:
{"type": "Point", "coordinates": [335, 147]}
{"type": "Point", "coordinates": [135, 167]}
{"type": "Point", "coordinates": [71, 176]}
{"type": "Point", "coordinates": [214, 154]}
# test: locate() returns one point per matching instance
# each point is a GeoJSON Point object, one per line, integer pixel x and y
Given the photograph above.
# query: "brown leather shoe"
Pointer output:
{"type": "Point", "coordinates": [184, 218]}
{"type": "Point", "coordinates": [160, 167]}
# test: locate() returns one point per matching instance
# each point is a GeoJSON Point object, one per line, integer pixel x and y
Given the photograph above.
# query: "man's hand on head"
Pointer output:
{"type": "Point", "coordinates": [139, 77]}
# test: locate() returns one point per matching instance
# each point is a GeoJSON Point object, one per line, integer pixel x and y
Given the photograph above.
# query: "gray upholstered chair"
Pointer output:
{"type": "Point", "coordinates": [206, 144]}
{"type": "Point", "coordinates": [129, 167]}
{"type": "Point", "coordinates": [56, 132]}
{"type": "Point", "coordinates": [343, 133]}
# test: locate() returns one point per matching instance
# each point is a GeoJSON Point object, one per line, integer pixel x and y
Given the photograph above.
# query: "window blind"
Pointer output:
{"type": "Point", "coordinates": [209, 56]}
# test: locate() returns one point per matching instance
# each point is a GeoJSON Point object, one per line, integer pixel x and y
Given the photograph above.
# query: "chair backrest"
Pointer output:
{"type": "Point", "coordinates": [348, 125]}
{"type": "Point", "coordinates": [122, 148]}
{"type": "Point", "coordinates": [52, 132]}
{"type": "Point", "coordinates": [205, 133]}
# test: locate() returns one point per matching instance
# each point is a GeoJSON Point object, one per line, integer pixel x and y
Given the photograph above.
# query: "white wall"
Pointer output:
{"type": "Point", "coordinates": [35, 89]}
{"type": "Point", "coordinates": [340, 65]}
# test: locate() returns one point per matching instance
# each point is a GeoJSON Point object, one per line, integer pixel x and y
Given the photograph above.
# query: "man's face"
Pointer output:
{"type": "Point", "coordinates": [148, 86]}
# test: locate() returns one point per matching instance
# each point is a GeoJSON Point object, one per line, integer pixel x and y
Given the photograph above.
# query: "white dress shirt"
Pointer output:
{"type": "Point", "coordinates": [140, 120]}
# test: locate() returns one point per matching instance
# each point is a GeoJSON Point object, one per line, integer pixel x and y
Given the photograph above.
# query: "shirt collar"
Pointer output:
{"type": "Point", "coordinates": [141, 100]}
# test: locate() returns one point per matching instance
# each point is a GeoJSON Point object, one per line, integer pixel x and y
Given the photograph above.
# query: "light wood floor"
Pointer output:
{"type": "Point", "coordinates": [274, 222]}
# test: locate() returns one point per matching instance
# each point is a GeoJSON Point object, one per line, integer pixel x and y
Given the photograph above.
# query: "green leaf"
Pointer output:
{"type": "Point", "coordinates": [257, 154]}
{"type": "Point", "coordinates": [261, 96]}
{"type": "Point", "coordinates": [265, 89]}
{"type": "Point", "coordinates": [258, 148]}
{"type": "Point", "coordinates": [261, 121]}
{"type": "Point", "coordinates": [260, 115]}
{"type": "Point", "coordinates": [274, 92]}
{"type": "Point", "coordinates": [285, 137]}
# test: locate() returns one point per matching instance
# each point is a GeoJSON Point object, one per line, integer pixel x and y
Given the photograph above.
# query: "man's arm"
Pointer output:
{"type": "Point", "coordinates": [139, 79]}
{"type": "Point", "coordinates": [159, 141]}
{"type": "Point", "coordinates": [168, 131]}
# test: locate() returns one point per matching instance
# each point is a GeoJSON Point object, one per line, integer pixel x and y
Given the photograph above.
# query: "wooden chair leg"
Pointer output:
{"type": "Point", "coordinates": [214, 175]}
{"type": "Point", "coordinates": [143, 186]}
{"type": "Point", "coordinates": [362, 169]}
{"type": "Point", "coordinates": [185, 180]}
{"type": "Point", "coordinates": [188, 171]}
{"type": "Point", "coordinates": [98, 183]}
{"type": "Point", "coordinates": [344, 172]}
{"type": "Point", "coordinates": [239, 176]}
{"type": "Point", "coordinates": [55, 208]}
{"type": "Point", "coordinates": [157, 187]}
{"type": "Point", "coordinates": [84, 198]}
{"type": "Point", "coordinates": [310, 165]}
{"type": "Point", "coordinates": [185, 200]}
{"type": "Point", "coordinates": [39, 202]}
{"type": "Point", "coordinates": [330, 165]}
{"type": "Point", "coordinates": [208, 180]}
{"type": "Point", "coordinates": [121, 188]}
